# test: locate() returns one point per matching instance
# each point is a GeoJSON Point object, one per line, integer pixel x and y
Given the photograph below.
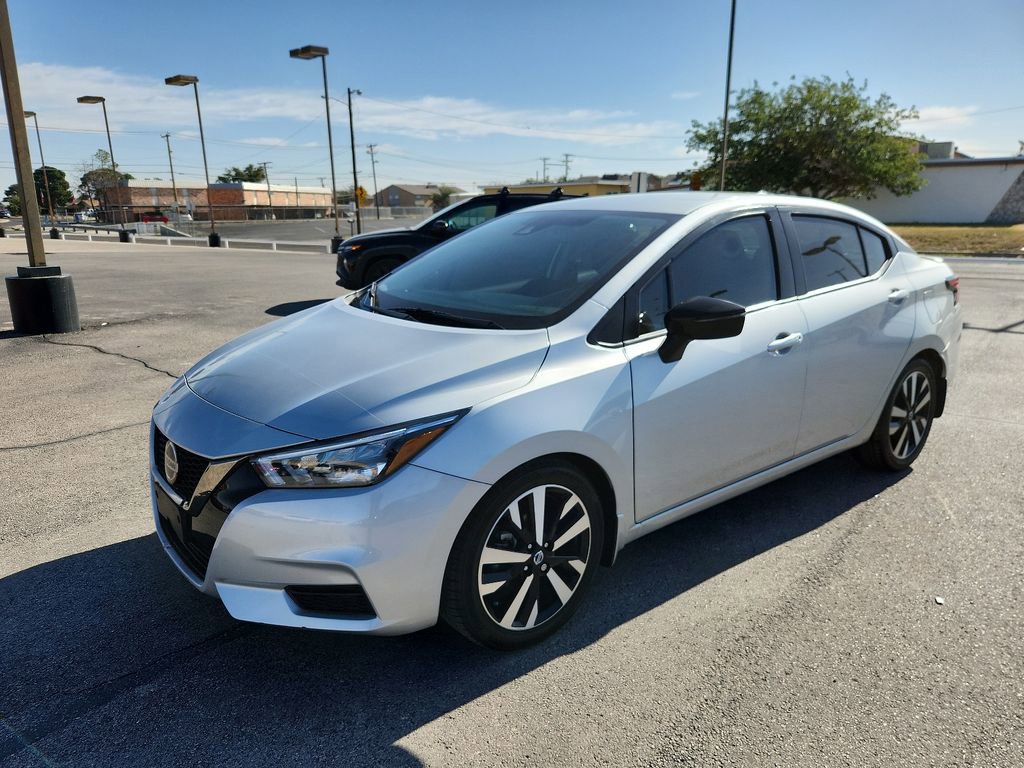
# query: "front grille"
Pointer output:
{"type": "Point", "coordinates": [190, 466]}
{"type": "Point", "coordinates": [347, 600]}
{"type": "Point", "coordinates": [194, 554]}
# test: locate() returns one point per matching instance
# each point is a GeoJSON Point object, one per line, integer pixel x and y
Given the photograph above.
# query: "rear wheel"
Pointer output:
{"type": "Point", "coordinates": [906, 420]}
{"type": "Point", "coordinates": [524, 559]}
{"type": "Point", "coordinates": [380, 268]}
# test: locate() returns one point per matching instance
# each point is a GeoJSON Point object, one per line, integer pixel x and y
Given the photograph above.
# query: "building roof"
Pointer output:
{"type": "Point", "coordinates": [424, 189]}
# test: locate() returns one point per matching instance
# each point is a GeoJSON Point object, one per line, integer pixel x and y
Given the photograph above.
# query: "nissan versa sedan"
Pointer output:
{"type": "Point", "coordinates": [470, 437]}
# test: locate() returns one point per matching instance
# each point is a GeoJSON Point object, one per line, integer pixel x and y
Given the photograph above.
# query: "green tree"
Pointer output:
{"type": "Point", "coordinates": [442, 198]}
{"type": "Point", "coordinates": [60, 191]}
{"type": "Point", "coordinates": [97, 174]}
{"type": "Point", "coordinates": [818, 137]}
{"type": "Point", "coordinates": [249, 173]}
{"type": "Point", "coordinates": [12, 199]}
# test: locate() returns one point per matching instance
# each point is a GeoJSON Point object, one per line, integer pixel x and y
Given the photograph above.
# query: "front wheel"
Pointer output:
{"type": "Point", "coordinates": [524, 559]}
{"type": "Point", "coordinates": [381, 268]}
{"type": "Point", "coordinates": [905, 422]}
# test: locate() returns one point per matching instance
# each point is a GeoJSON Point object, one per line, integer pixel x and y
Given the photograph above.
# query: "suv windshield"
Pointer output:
{"type": "Point", "coordinates": [527, 270]}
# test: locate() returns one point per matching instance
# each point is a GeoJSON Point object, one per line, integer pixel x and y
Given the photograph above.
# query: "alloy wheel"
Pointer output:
{"type": "Point", "coordinates": [534, 557]}
{"type": "Point", "coordinates": [910, 415]}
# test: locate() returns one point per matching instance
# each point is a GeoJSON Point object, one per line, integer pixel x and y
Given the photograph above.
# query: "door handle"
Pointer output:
{"type": "Point", "coordinates": [898, 295]}
{"type": "Point", "coordinates": [784, 342]}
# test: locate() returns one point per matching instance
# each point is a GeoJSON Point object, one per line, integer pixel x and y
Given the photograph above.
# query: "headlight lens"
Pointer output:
{"type": "Point", "coordinates": [355, 462]}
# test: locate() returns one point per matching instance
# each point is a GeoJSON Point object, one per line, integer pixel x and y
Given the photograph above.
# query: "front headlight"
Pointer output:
{"type": "Point", "coordinates": [355, 462]}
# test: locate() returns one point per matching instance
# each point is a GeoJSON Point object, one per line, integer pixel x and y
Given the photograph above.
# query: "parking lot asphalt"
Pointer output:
{"type": "Point", "coordinates": [797, 625]}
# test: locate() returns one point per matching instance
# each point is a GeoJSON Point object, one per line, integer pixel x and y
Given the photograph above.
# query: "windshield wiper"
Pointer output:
{"type": "Point", "coordinates": [442, 318]}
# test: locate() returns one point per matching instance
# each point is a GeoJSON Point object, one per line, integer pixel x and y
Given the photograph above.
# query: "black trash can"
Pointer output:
{"type": "Point", "coordinates": [54, 234]}
{"type": "Point", "coordinates": [214, 239]}
{"type": "Point", "coordinates": [124, 236]}
{"type": "Point", "coordinates": [335, 242]}
{"type": "Point", "coordinates": [42, 300]}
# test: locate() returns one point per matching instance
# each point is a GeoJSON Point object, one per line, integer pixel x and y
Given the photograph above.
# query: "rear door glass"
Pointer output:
{"type": "Point", "coordinates": [830, 251]}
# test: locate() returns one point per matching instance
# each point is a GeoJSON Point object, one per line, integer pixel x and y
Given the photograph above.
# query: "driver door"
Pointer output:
{"type": "Point", "coordinates": [730, 407]}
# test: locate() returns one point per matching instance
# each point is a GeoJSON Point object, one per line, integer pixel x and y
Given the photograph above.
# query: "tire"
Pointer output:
{"type": "Point", "coordinates": [510, 601]}
{"type": "Point", "coordinates": [380, 268]}
{"type": "Point", "coordinates": [906, 420]}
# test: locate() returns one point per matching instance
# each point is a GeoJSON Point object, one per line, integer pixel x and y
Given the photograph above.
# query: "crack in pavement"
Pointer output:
{"type": "Point", "coordinates": [73, 437]}
{"type": "Point", "coordinates": [45, 339]}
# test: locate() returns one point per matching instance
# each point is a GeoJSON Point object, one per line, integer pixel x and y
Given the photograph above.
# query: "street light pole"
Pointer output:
{"type": "Point", "coordinates": [192, 80]}
{"type": "Point", "coordinates": [110, 146]}
{"type": "Point", "coordinates": [42, 160]}
{"type": "Point", "coordinates": [728, 83]}
{"type": "Point", "coordinates": [355, 178]}
{"type": "Point", "coordinates": [320, 52]}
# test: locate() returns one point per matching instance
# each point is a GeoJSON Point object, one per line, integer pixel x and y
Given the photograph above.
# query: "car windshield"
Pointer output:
{"type": "Point", "coordinates": [525, 270]}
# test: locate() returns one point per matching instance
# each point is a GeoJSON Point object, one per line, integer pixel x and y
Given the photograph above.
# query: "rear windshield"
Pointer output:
{"type": "Point", "coordinates": [526, 270]}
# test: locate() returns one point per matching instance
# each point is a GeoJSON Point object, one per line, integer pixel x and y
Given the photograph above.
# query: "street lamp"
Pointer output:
{"type": "Point", "coordinates": [352, 137]}
{"type": "Point", "coordinates": [728, 83]}
{"type": "Point", "coordinates": [308, 52]}
{"type": "Point", "coordinates": [192, 80]}
{"type": "Point", "coordinates": [110, 146]}
{"type": "Point", "coordinates": [42, 160]}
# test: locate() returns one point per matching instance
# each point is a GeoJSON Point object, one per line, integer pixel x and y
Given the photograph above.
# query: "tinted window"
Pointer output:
{"type": "Point", "coordinates": [874, 250]}
{"type": "Point", "coordinates": [653, 304]}
{"type": "Point", "coordinates": [524, 270]}
{"type": "Point", "coordinates": [734, 261]}
{"type": "Point", "coordinates": [470, 217]}
{"type": "Point", "coordinates": [830, 251]}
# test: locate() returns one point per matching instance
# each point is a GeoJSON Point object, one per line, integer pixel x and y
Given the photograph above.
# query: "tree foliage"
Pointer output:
{"type": "Point", "coordinates": [12, 199]}
{"type": "Point", "coordinates": [97, 174]}
{"type": "Point", "coordinates": [819, 137]}
{"type": "Point", "coordinates": [249, 173]}
{"type": "Point", "coordinates": [60, 191]}
{"type": "Point", "coordinates": [442, 198]}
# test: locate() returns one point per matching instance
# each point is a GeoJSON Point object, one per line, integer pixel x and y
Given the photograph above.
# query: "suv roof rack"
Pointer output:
{"type": "Point", "coordinates": [504, 191]}
{"type": "Point", "coordinates": [555, 193]}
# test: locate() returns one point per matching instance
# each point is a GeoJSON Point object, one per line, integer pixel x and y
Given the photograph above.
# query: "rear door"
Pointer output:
{"type": "Point", "coordinates": [860, 320]}
{"type": "Point", "coordinates": [730, 407]}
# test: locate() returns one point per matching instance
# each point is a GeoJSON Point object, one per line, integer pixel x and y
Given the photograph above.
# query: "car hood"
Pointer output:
{"type": "Point", "coordinates": [335, 370]}
{"type": "Point", "coordinates": [369, 237]}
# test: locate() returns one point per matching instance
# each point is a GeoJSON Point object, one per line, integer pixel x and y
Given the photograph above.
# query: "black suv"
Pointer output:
{"type": "Point", "coordinates": [366, 258]}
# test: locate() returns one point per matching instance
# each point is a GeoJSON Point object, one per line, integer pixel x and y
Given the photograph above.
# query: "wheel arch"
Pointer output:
{"type": "Point", "coordinates": [938, 365]}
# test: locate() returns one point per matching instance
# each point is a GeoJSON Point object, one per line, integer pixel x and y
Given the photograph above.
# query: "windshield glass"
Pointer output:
{"type": "Point", "coordinates": [524, 270]}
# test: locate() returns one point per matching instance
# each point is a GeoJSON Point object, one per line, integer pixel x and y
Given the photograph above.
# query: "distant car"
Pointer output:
{"type": "Point", "coordinates": [470, 437]}
{"type": "Point", "coordinates": [154, 216]}
{"type": "Point", "coordinates": [366, 258]}
{"type": "Point", "coordinates": [178, 216]}
{"type": "Point", "coordinates": [4, 213]}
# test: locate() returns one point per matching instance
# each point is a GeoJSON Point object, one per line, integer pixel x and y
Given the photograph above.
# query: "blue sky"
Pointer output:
{"type": "Point", "coordinates": [470, 92]}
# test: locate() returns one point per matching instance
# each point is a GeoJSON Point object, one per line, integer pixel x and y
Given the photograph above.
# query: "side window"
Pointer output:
{"type": "Point", "coordinates": [470, 217]}
{"type": "Point", "coordinates": [653, 304]}
{"type": "Point", "coordinates": [734, 261]}
{"type": "Point", "coordinates": [830, 251]}
{"type": "Point", "coordinates": [875, 250]}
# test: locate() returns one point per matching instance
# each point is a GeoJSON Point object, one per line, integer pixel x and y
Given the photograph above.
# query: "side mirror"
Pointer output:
{"type": "Point", "coordinates": [439, 227]}
{"type": "Point", "coordinates": [699, 319]}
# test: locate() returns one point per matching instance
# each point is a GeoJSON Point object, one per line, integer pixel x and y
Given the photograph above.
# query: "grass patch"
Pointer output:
{"type": "Point", "coordinates": [932, 238]}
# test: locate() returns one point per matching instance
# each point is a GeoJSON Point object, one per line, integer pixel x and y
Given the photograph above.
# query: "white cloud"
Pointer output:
{"type": "Point", "coordinates": [684, 95]}
{"type": "Point", "coordinates": [942, 118]}
{"type": "Point", "coordinates": [138, 103]}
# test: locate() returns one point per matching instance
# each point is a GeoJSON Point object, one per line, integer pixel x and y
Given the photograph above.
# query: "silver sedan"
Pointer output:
{"type": "Point", "coordinates": [472, 436]}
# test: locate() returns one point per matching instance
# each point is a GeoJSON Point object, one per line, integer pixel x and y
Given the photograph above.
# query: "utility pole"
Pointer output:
{"type": "Point", "coordinates": [270, 200]}
{"type": "Point", "coordinates": [296, 197]}
{"type": "Point", "coordinates": [170, 161]}
{"type": "Point", "coordinates": [565, 162]}
{"type": "Point", "coordinates": [728, 83]}
{"type": "Point", "coordinates": [373, 165]}
{"type": "Point", "coordinates": [544, 160]}
{"type": "Point", "coordinates": [355, 178]}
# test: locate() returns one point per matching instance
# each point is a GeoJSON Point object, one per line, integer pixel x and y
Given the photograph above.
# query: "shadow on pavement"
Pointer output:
{"type": "Point", "coordinates": [109, 657]}
{"type": "Point", "coordinates": [291, 307]}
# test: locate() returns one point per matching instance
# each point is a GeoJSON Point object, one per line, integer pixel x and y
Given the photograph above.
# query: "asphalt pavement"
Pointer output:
{"type": "Point", "coordinates": [837, 617]}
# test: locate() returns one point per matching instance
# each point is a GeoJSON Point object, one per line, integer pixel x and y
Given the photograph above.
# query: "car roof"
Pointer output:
{"type": "Point", "coordinates": [682, 202]}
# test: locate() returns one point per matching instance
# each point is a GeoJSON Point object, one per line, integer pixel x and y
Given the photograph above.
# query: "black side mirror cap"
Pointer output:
{"type": "Point", "coordinates": [699, 319]}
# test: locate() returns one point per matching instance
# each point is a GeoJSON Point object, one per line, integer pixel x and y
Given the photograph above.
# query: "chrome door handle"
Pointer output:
{"type": "Point", "coordinates": [898, 295]}
{"type": "Point", "coordinates": [784, 342]}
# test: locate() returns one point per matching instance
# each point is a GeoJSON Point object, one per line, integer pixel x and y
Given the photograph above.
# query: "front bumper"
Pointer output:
{"type": "Point", "coordinates": [392, 539]}
{"type": "Point", "coordinates": [345, 273]}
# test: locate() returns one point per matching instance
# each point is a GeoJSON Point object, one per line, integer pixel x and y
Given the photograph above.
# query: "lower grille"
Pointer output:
{"type": "Point", "coordinates": [347, 600]}
{"type": "Point", "coordinates": [194, 555]}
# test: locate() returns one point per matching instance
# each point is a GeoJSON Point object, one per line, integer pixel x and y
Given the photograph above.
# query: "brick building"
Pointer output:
{"type": "Point", "coordinates": [231, 201]}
